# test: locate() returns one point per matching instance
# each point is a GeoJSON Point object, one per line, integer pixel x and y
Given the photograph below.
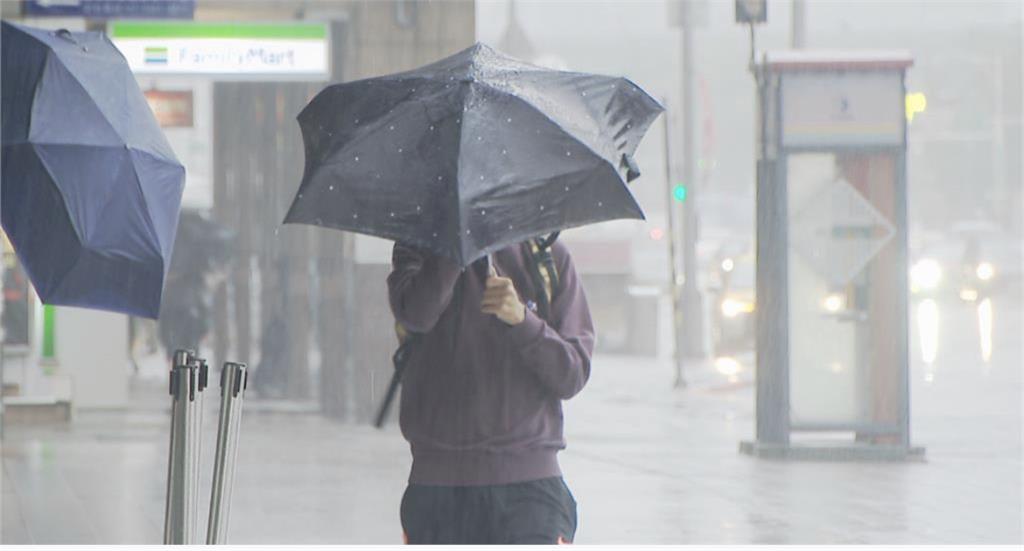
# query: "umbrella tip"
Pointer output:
{"type": "Point", "coordinates": [632, 169]}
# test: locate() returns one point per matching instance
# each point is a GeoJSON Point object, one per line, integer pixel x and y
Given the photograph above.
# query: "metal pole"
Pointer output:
{"type": "Point", "coordinates": [187, 381]}
{"type": "Point", "coordinates": [798, 30]}
{"type": "Point", "coordinates": [199, 370]}
{"type": "Point", "coordinates": [233, 381]}
{"type": "Point", "coordinates": [188, 466]}
{"type": "Point", "coordinates": [693, 310]}
{"type": "Point", "coordinates": [175, 458]}
{"type": "Point", "coordinates": [674, 281]}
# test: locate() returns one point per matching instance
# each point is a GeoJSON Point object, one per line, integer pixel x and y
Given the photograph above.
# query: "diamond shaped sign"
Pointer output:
{"type": "Point", "coordinates": [838, 232]}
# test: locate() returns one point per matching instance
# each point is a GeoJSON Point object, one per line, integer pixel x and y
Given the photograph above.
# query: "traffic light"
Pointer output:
{"type": "Point", "coordinates": [916, 102]}
{"type": "Point", "coordinates": [679, 193]}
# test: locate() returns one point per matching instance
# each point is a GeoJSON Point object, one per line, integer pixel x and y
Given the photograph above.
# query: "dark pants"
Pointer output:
{"type": "Point", "coordinates": [535, 512]}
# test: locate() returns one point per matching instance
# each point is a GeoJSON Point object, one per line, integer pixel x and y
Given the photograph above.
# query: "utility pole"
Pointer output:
{"type": "Point", "coordinates": [692, 304]}
{"type": "Point", "coordinates": [675, 278]}
{"type": "Point", "coordinates": [798, 29]}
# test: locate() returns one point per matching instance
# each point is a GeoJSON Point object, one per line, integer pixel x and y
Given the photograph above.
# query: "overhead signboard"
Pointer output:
{"type": "Point", "coordinates": [109, 9]}
{"type": "Point", "coordinates": [236, 51]}
{"type": "Point", "coordinates": [172, 108]}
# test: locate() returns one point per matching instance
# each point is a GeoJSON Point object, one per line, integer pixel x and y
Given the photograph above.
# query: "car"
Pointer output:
{"type": "Point", "coordinates": [969, 263]}
{"type": "Point", "coordinates": [732, 290]}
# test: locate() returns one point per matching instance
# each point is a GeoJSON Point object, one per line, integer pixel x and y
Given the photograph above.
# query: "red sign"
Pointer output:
{"type": "Point", "coordinates": [173, 109]}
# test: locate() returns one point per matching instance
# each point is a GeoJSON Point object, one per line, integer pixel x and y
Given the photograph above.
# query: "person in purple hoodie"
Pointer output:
{"type": "Point", "coordinates": [482, 393]}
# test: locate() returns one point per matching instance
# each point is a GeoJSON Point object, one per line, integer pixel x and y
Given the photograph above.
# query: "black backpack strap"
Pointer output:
{"type": "Point", "coordinates": [543, 271]}
{"type": "Point", "coordinates": [406, 341]}
{"type": "Point", "coordinates": [548, 262]}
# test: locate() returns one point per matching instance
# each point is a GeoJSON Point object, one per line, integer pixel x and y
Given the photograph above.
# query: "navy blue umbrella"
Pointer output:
{"type": "Point", "coordinates": [90, 187]}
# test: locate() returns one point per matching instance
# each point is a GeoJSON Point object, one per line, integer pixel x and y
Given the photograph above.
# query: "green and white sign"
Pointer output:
{"type": "Point", "coordinates": [286, 51]}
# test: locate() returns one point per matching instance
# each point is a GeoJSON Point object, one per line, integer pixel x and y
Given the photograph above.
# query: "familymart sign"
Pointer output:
{"type": "Point", "coordinates": [286, 51]}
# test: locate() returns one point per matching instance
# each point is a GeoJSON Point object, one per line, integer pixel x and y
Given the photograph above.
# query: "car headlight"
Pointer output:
{"type": "Point", "coordinates": [985, 271]}
{"type": "Point", "coordinates": [834, 303]}
{"type": "Point", "coordinates": [925, 275]}
{"type": "Point", "coordinates": [728, 366]}
{"type": "Point", "coordinates": [732, 307]}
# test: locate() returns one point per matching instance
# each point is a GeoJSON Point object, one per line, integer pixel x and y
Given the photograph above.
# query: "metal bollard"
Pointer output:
{"type": "Point", "coordinates": [233, 381]}
{"type": "Point", "coordinates": [199, 371]}
{"type": "Point", "coordinates": [188, 378]}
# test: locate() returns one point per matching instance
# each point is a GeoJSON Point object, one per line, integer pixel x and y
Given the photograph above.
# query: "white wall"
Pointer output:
{"type": "Point", "coordinates": [92, 349]}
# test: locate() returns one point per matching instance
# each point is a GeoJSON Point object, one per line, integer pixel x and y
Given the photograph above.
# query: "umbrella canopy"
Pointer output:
{"type": "Point", "coordinates": [471, 153]}
{"type": "Point", "coordinates": [90, 187]}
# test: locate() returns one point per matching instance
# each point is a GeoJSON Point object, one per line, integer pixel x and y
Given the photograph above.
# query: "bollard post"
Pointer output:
{"type": "Point", "coordinates": [187, 381]}
{"type": "Point", "coordinates": [233, 381]}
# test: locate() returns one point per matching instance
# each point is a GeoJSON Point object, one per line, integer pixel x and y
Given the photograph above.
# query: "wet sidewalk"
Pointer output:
{"type": "Point", "coordinates": [649, 464]}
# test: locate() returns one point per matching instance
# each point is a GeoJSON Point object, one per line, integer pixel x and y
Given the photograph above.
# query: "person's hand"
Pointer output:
{"type": "Point", "coordinates": [501, 299]}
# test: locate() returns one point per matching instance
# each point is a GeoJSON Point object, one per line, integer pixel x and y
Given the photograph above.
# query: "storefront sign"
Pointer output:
{"type": "Point", "coordinates": [265, 51]}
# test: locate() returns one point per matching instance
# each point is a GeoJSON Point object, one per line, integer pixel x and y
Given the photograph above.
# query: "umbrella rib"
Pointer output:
{"type": "Point", "coordinates": [64, 200]}
{"type": "Point", "coordinates": [150, 225]}
{"type": "Point", "coordinates": [541, 112]}
{"type": "Point", "coordinates": [376, 124]}
{"type": "Point", "coordinates": [558, 227]}
{"type": "Point", "coordinates": [100, 106]}
{"type": "Point", "coordinates": [52, 57]}
{"type": "Point", "coordinates": [457, 185]}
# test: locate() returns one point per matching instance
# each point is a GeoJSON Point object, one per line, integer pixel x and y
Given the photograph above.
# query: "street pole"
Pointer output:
{"type": "Point", "coordinates": [693, 311]}
{"type": "Point", "coordinates": [798, 29]}
{"type": "Point", "coordinates": [674, 275]}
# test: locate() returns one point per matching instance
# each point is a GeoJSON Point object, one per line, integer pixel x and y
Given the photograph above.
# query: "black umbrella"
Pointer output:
{"type": "Point", "coordinates": [90, 186]}
{"type": "Point", "coordinates": [471, 153]}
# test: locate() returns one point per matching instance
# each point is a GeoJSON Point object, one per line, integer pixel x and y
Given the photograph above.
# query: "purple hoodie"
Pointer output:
{"type": "Point", "coordinates": [482, 400]}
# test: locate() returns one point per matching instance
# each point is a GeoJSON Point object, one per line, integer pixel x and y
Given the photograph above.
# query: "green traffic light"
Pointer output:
{"type": "Point", "coordinates": [679, 193]}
